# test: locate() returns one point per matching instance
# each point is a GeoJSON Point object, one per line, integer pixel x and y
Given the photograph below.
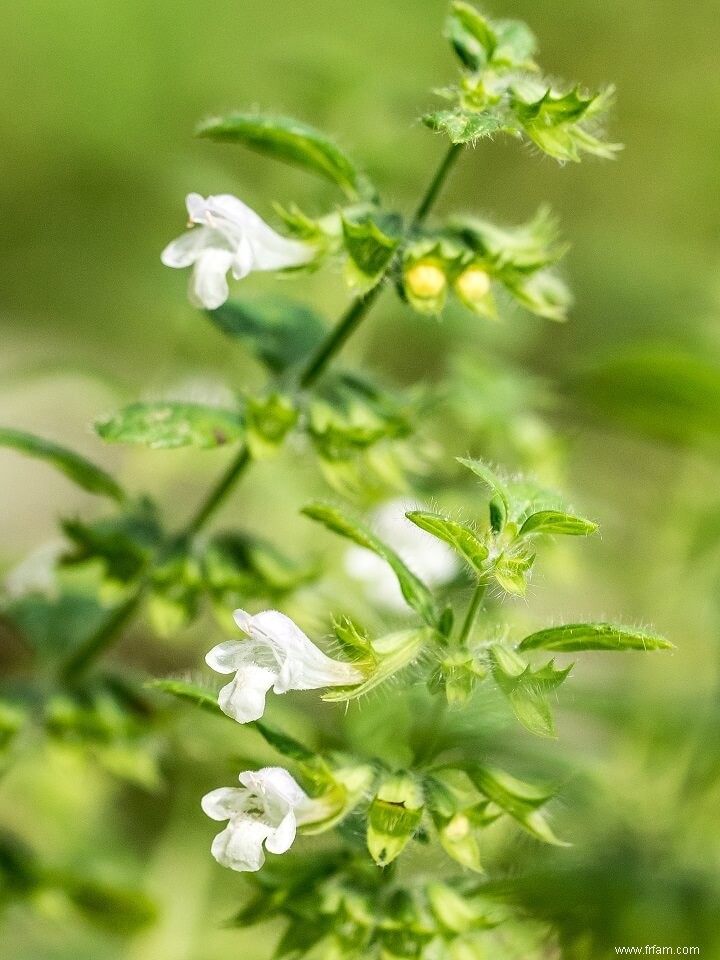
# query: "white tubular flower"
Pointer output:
{"type": "Point", "coordinates": [429, 558]}
{"type": "Point", "coordinates": [230, 237]}
{"type": "Point", "coordinates": [265, 810]}
{"type": "Point", "coordinates": [277, 655]}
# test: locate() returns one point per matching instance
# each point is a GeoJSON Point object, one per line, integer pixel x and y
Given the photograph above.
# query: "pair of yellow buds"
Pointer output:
{"type": "Point", "coordinates": [426, 283]}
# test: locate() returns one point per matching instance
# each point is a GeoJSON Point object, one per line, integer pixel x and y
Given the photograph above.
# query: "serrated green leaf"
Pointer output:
{"type": "Point", "coordinates": [554, 121]}
{"type": "Point", "coordinates": [371, 242]}
{"type": "Point", "coordinates": [522, 249]}
{"type": "Point", "coordinates": [391, 654]}
{"type": "Point", "coordinates": [413, 590]}
{"type": "Point", "coordinates": [291, 141]}
{"type": "Point", "coordinates": [522, 801]}
{"type": "Point", "coordinates": [280, 332]}
{"type": "Point", "coordinates": [556, 522]}
{"type": "Point", "coordinates": [81, 471]}
{"type": "Point", "coordinates": [166, 426]}
{"type": "Point", "coordinates": [525, 688]}
{"type": "Point", "coordinates": [190, 692]}
{"type": "Point", "coordinates": [460, 537]}
{"type": "Point", "coordinates": [593, 636]}
{"type": "Point", "coordinates": [542, 293]}
{"type": "Point", "coordinates": [465, 126]}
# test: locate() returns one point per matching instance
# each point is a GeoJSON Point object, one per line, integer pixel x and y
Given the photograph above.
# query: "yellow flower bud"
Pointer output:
{"type": "Point", "coordinates": [473, 284]}
{"type": "Point", "coordinates": [426, 285]}
{"type": "Point", "coordinates": [473, 287]}
{"type": "Point", "coordinates": [426, 280]}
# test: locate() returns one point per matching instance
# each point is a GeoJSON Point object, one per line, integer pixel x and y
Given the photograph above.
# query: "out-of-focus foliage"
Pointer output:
{"type": "Point", "coordinates": [99, 99]}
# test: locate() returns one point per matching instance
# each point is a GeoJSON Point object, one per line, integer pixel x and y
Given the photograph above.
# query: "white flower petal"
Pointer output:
{"type": "Point", "coordinates": [243, 260]}
{"type": "Point", "coordinates": [184, 251]}
{"type": "Point", "coordinates": [274, 252]}
{"type": "Point", "coordinates": [229, 656]}
{"type": "Point", "coordinates": [281, 839]}
{"type": "Point", "coordinates": [243, 619]}
{"type": "Point", "coordinates": [244, 698]}
{"type": "Point", "coordinates": [224, 206]}
{"type": "Point", "coordinates": [196, 206]}
{"type": "Point", "coordinates": [274, 783]}
{"type": "Point", "coordinates": [240, 845]}
{"type": "Point", "coordinates": [208, 284]}
{"type": "Point", "coordinates": [224, 803]}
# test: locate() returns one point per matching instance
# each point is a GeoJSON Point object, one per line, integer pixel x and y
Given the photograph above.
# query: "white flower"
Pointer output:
{"type": "Point", "coordinates": [233, 237]}
{"type": "Point", "coordinates": [429, 558]}
{"type": "Point", "coordinates": [266, 809]}
{"type": "Point", "coordinates": [277, 655]}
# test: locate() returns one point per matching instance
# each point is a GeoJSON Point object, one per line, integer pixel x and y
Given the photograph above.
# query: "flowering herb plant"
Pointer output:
{"type": "Point", "coordinates": [392, 864]}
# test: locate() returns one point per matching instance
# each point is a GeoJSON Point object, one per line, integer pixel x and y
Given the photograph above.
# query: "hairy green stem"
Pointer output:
{"type": "Point", "coordinates": [98, 641]}
{"type": "Point", "coordinates": [347, 325]}
{"type": "Point", "coordinates": [436, 184]}
{"type": "Point", "coordinates": [353, 316]}
{"type": "Point", "coordinates": [81, 659]}
{"type": "Point", "coordinates": [472, 612]}
{"type": "Point", "coordinates": [219, 492]}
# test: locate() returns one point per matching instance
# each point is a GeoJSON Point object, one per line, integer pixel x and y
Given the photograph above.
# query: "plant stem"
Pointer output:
{"type": "Point", "coordinates": [219, 492]}
{"type": "Point", "coordinates": [81, 659]}
{"type": "Point", "coordinates": [436, 184]}
{"type": "Point", "coordinates": [353, 316]}
{"type": "Point", "coordinates": [346, 326]}
{"type": "Point", "coordinates": [472, 612]}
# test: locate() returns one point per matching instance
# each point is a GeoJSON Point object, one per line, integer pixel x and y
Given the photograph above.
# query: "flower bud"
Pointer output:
{"type": "Point", "coordinates": [473, 288]}
{"type": "Point", "coordinates": [394, 816]}
{"type": "Point", "coordinates": [425, 283]}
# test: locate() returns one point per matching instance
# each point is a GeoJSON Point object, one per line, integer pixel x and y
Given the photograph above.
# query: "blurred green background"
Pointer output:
{"type": "Point", "coordinates": [98, 104]}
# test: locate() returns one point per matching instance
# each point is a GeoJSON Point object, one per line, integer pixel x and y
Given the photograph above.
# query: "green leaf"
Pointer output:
{"type": "Point", "coordinates": [284, 744]}
{"type": "Point", "coordinates": [542, 293]}
{"type": "Point", "coordinates": [120, 911]}
{"type": "Point", "coordinates": [394, 815]}
{"type": "Point", "coordinates": [84, 473]}
{"type": "Point", "coordinates": [52, 626]}
{"type": "Point", "coordinates": [518, 799]}
{"type": "Point", "coordinates": [413, 590]}
{"type": "Point", "coordinates": [371, 242]}
{"type": "Point", "coordinates": [242, 565]}
{"type": "Point", "coordinates": [556, 522]}
{"type": "Point", "coordinates": [525, 688]}
{"type": "Point", "coordinates": [522, 249]}
{"type": "Point", "coordinates": [502, 497]}
{"type": "Point", "coordinates": [471, 35]}
{"type": "Point", "coordinates": [288, 140]}
{"type": "Point", "coordinates": [165, 426]}
{"type": "Point", "coordinates": [123, 542]}
{"type": "Point", "coordinates": [465, 126]}
{"type": "Point", "coordinates": [190, 692]}
{"type": "Point", "coordinates": [460, 537]}
{"type": "Point", "coordinates": [554, 121]}
{"type": "Point", "coordinates": [390, 654]}
{"type": "Point", "coordinates": [516, 44]}
{"type": "Point", "coordinates": [281, 333]}
{"type": "Point", "coordinates": [593, 636]}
